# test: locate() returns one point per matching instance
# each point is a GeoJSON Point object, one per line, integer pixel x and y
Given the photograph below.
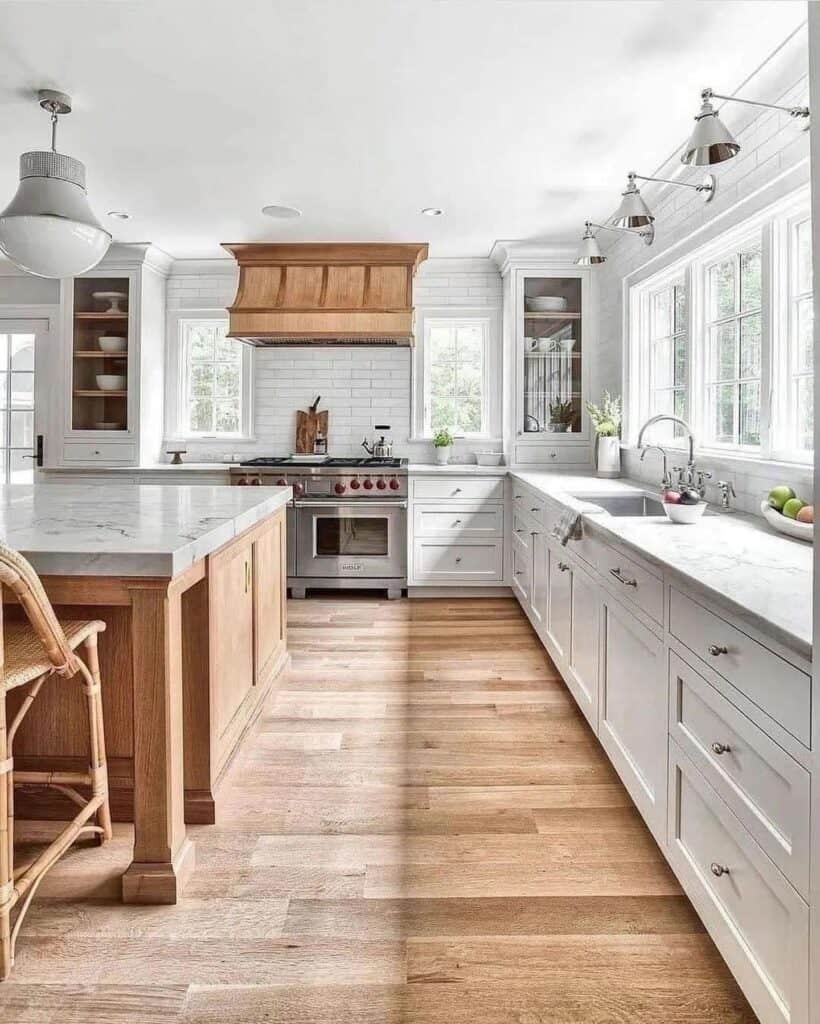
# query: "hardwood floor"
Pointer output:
{"type": "Point", "coordinates": [423, 830]}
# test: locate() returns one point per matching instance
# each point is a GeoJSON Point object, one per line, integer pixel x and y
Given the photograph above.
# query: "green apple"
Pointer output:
{"type": "Point", "coordinates": [778, 496]}
{"type": "Point", "coordinates": [792, 507]}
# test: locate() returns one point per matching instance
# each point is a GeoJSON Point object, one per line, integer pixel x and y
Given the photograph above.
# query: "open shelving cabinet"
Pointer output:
{"type": "Point", "coordinates": [93, 408]}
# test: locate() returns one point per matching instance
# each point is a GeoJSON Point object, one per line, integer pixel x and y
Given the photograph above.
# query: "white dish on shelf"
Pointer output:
{"type": "Point", "coordinates": [111, 343]}
{"type": "Point", "coordinates": [545, 345]}
{"type": "Point", "coordinates": [546, 304]}
{"type": "Point", "coordinates": [567, 344]}
{"type": "Point", "coordinates": [790, 527]}
{"type": "Point", "coordinates": [113, 298]}
{"type": "Point", "coordinates": [677, 513]}
{"type": "Point", "coordinates": [105, 425]}
{"type": "Point", "coordinates": [488, 458]}
{"type": "Point", "coordinates": [111, 381]}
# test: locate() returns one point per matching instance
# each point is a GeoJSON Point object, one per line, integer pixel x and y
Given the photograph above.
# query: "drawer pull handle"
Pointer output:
{"type": "Point", "coordinates": [553, 454]}
{"type": "Point", "coordinates": [518, 497]}
{"type": "Point", "coordinates": [719, 869]}
{"type": "Point", "coordinates": [563, 566]}
{"type": "Point", "coordinates": [518, 529]}
{"type": "Point", "coordinates": [458, 558]}
{"type": "Point", "coordinates": [457, 490]}
{"type": "Point", "coordinates": [622, 579]}
{"type": "Point", "coordinates": [716, 650]}
{"type": "Point", "coordinates": [518, 572]}
{"type": "Point", "coordinates": [721, 748]}
{"type": "Point", "coordinates": [457, 522]}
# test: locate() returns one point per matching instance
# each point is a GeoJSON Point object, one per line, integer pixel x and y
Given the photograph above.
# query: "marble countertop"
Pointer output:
{"type": "Point", "coordinates": [128, 529]}
{"type": "Point", "coordinates": [471, 469]}
{"type": "Point", "coordinates": [156, 467]}
{"type": "Point", "coordinates": [765, 578]}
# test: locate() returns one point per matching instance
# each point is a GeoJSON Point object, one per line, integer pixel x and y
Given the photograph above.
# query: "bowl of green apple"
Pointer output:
{"type": "Point", "coordinates": [788, 514]}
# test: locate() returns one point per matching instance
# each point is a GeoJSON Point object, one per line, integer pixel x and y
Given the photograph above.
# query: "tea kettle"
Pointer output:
{"type": "Point", "coordinates": [381, 449]}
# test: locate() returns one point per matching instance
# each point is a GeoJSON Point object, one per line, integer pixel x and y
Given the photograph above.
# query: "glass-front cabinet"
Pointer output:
{"type": "Point", "coordinates": [552, 356]}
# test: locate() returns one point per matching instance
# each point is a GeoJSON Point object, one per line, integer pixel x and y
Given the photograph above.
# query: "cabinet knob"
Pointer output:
{"type": "Point", "coordinates": [536, 509]}
{"type": "Point", "coordinates": [721, 748]}
{"type": "Point", "coordinates": [716, 650]}
{"type": "Point", "coordinates": [553, 454]}
{"type": "Point", "coordinates": [458, 558]}
{"type": "Point", "coordinates": [719, 869]}
{"type": "Point", "coordinates": [563, 566]}
{"type": "Point", "coordinates": [457, 490]}
{"type": "Point", "coordinates": [457, 522]}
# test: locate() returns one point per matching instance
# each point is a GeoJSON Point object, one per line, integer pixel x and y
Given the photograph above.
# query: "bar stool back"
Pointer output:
{"type": "Point", "coordinates": [33, 651]}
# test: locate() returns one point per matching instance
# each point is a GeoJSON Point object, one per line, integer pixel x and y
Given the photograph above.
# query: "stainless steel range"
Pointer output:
{"type": "Point", "coordinates": [347, 523]}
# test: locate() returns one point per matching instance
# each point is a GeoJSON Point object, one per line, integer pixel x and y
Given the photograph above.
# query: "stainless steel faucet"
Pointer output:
{"type": "Point", "coordinates": [727, 492]}
{"type": "Point", "coordinates": [690, 468]}
{"type": "Point", "coordinates": [666, 480]}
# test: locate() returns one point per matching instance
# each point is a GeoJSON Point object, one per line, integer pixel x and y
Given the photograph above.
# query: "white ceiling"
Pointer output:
{"type": "Point", "coordinates": [519, 117]}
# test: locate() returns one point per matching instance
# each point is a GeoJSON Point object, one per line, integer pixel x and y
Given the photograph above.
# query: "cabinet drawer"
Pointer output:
{"type": "Point", "coordinates": [758, 921]}
{"type": "Point", "coordinates": [762, 784]}
{"type": "Point", "coordinates": [770, 682]}
{"type": "Point", "coordinates": [522, 528]}
{"type": "Point", "coordinates": [444, 561]}
{"type": "Point", "coordinates": [558, 455]}
{"type": "Point", "coordinates": [479, 521]}
{"type": "Point", "coordinates": [99, 451]}
{"type": "Point", "coordinates": [459, 488]}
{"type": "Point", "coordinates": [629, 578]}
{"type": "Point", "coordinates": [527, 504]}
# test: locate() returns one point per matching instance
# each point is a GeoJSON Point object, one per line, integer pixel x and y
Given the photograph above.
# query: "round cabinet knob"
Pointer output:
{"type": "Point", "coordinates": [354, 484]}
{"type": "Point", "coordinates": [719, 870]}
{"type": "Point", "coordinates": [394, 484]}
{"type": "Point", "coordinates": [458, 558]}
{"type": "Point", "coordinates": [381, 483]}
{"type": "Point", "coordinates": [721, 748]}
{"type": "Point", "coordinates": [339, 488]}
{"type": "Point", "coordinates": [553, 454]}
{"type": "Point", "coordinates": [298, 490]}
{"type": "Point", "coordinates": [281, 482]}
{"type": "Point", "coordinates": [368, 484]}
{"type": "Point", "coordinates": [717, 649]}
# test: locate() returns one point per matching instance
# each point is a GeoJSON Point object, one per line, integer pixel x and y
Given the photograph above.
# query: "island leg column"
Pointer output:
{"type": "Point", "coordinates": [163, 856]}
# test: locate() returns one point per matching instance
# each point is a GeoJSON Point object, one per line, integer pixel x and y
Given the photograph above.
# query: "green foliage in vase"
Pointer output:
{"type": "Point", "coordinates": [561, 412]}
{"type": "Point", "coordinates": [606, 417]}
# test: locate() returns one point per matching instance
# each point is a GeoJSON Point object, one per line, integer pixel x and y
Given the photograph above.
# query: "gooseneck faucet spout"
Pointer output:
{"type": "Point", "coordinates": [672, 419]}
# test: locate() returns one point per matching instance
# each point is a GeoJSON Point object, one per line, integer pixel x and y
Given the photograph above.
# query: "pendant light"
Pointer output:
{"type": "Point", "coordinates": [633, 211]}
{"type": "Point", "coordinates": [589, 253]}
{"type": "Point", "coordinates": [48, 229]}
{"type": "Point", "coordinates": [711, 142]}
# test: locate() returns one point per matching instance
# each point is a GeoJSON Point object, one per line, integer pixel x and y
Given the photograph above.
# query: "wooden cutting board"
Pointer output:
{"type": "Point", "coordinates": [308, 425]}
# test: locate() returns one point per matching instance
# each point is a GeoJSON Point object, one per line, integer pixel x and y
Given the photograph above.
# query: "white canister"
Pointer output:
{"type": "Point", "coordinates": [442, 456]}
{"type": "Point", "coordinates": [609, 456]}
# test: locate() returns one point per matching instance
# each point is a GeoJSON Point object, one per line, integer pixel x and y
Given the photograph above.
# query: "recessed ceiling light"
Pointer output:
{"type": "Point", "coordinates": [282, 212]}
{"type": "Point", "coordinates": [432, 211]}
{"type": "Point", "coordinates": [119, 214]}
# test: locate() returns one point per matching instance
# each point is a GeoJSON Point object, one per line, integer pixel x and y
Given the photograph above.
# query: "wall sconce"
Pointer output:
{"type": "Point", "coordinates": [590, 255]}
{"type": "Point", "coordinates": [633, 211]}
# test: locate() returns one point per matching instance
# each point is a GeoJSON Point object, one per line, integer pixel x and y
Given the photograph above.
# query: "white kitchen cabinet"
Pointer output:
{"type": "Point", "coordinates": [539, 577]}
{"type": "Point", "coordinates": [583, 656]}
{"type": "Point", "coordinates": [521, 559]}
{"type": "Point", "coordinates": [633, 712]}
{"type": "Point", "coordinates": [559, 611]}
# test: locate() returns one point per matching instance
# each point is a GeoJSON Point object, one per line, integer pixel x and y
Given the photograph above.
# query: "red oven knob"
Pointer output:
{"type": "Point", "coordinates": [394, 484]}
{"type": "Point", "coordinates": [368, 484]}
{"type": "Point", "coordinates": [242, 481]}
{"type": "Point", "coordinates": [298, 489]}
{"type": "Point", "coordinates": [339, 488]}
{"type": "Point", "coordinates": [381, 483]}
{"type": "Point", "coordinates": [257, 481]}
{"type": "Point", "coordinates": [281, 482]}
{"type": "Point", "coordinates": [354, 484]}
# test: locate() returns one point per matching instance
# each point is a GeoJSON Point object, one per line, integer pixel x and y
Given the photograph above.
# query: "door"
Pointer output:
{"type": "Point", "coordinates": [539, 587]}
{"type": "Point", "coordinates": [633, 713]}
{"type": "Point", "coordinates": [366, 541]}
{"type": "Point", "coordinates": [559, 610]}
{"type": "Point", "coordinates": [269, 599]}
{"type": "Point", "coordinates": [230, 573]}
{"type": "Point", "coordinates": [582, 667]}
{"type": "Point", "coordinates": [22, 349]}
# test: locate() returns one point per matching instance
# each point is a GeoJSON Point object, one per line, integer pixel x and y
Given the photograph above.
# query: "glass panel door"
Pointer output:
{"type": "Point", "coordinates": [18, 342]}
{"type": "Point", "coordinates": [351, 535]}
{"type": "Point", "coordinates": [552, 356]}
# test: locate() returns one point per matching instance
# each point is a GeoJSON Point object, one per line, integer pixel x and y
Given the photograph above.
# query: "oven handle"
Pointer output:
{"type": "Point", "coordinates": [349, 504]}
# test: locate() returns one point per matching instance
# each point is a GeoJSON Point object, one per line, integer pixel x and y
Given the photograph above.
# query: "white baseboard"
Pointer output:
{"type": "Point", "coordinates": [459, 592]}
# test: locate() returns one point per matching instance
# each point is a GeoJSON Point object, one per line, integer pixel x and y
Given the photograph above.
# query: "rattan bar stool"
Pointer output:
{"type": "Point", "coordinates": [35, 651]}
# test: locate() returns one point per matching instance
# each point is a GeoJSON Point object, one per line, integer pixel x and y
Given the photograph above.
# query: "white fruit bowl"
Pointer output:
{"type": "Point", "coordinates": [110, 382]}
{"type": "Point", "coordinates": [781, 523]}
{"type": "Point", "coordinates": [488, 458]}
{"type": "Point", "coordinates": [109, 343]}
{"type": "Point", "coordinates": [684, 513]}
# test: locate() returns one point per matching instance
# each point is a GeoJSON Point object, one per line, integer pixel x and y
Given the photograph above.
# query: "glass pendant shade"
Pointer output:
{"type": "Point", "coordinates": [589, 255]}
{"type": "Point", "coordinates": [711, 142]}
{"type": "Point", "coordinates": [633, 211]}
{"type": "Point", "coordinates": [49, 229]}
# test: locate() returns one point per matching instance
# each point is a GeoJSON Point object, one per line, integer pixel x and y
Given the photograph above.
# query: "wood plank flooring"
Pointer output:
{"type": "Point", "coordinates": [422, 830]}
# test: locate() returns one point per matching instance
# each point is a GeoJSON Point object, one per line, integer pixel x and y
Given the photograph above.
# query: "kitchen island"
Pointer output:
{"type": "Point", "coordinates": [190, 581]}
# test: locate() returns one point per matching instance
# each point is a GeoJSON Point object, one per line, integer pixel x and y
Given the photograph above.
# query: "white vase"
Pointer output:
{"type": "Point", "coordinates": [609, 456]}
{"type": "Point", "coordinates": [442, 456]}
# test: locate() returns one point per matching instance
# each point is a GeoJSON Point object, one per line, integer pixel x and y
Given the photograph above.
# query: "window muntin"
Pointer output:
{"type": "Point", "coordinates": [733, 342]}
{"type": "Point", "coordinates": [212, 385]}
{"type": "Point", "coordinates": [17, 407]}
{"type": "Point", "coordinates": [668, 355]}
{"type": "Point", "coordinates": [800, 401]}
{"type": "Point", "coordinates": [455, 380]}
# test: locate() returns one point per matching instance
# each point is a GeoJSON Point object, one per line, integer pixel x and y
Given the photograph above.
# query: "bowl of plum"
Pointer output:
{"type": "Point", "coordinates": [683, 506]}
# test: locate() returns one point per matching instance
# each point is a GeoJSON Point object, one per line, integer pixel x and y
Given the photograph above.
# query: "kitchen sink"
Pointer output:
{"type": "Point", "coordinates": [625, 505]}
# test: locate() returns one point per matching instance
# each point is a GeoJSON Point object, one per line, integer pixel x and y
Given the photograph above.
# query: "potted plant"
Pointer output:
{"type": "Point", "coordinates": [606, 419]}
{"type": "Point", "coordinates": [443, 442]}
{"type": "Point", "coordinates": [561, 416]}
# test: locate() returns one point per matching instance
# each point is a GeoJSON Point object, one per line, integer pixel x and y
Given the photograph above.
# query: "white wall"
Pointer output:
{"type": "Point", "coordinates": [773, 161]}
{"type": "Point", "coordinates": [360, 386]}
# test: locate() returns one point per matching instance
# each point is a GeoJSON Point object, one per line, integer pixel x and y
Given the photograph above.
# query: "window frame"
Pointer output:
{"type": "Point", "coordinates": [773, 227]}
{"type": "Point", "coordinates": [489, 319]}
{"type": "Point", "coordinates": [679, 280]}
{"type": "Point", "coordinates": [176, 394]}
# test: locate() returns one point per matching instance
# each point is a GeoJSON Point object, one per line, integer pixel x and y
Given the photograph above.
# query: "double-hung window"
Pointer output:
{"type": "Point", "coordinates": [668, 352]}
{"type": "Point", "coordinates": [456, 374]}
{"type": "Point", "coordinates": [800, 387]}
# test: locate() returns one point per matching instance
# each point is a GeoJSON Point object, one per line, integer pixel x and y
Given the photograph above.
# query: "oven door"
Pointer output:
{"type": "Point", "coordinates": [351, 541]}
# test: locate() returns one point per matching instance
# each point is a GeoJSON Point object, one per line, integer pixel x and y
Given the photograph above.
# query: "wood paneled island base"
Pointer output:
{"type": "Point", "coordinates": [186, 663]}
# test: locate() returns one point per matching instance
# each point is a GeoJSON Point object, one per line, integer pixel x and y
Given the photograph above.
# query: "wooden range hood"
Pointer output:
{"type": "Point", "coordinates": [317, 293]}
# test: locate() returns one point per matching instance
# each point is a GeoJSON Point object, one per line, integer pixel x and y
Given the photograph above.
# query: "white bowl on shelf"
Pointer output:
{"type": "Point", "coordinates": [546, 304]}
{"type": "Point", "coordinates": [684, 514]}
{"type": "Point", "coordinates": [111, 343]}
{"type": "Point", "coordinates": [106, 425]}
{"type": "Point", "coordinates": [567, 344]}
{"type": "Point", "coordinates": [111, 382]}
{"type": "Point", "coordinates": [488, 458]}
{"type": "Point", "coordinates": [789, 527]}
